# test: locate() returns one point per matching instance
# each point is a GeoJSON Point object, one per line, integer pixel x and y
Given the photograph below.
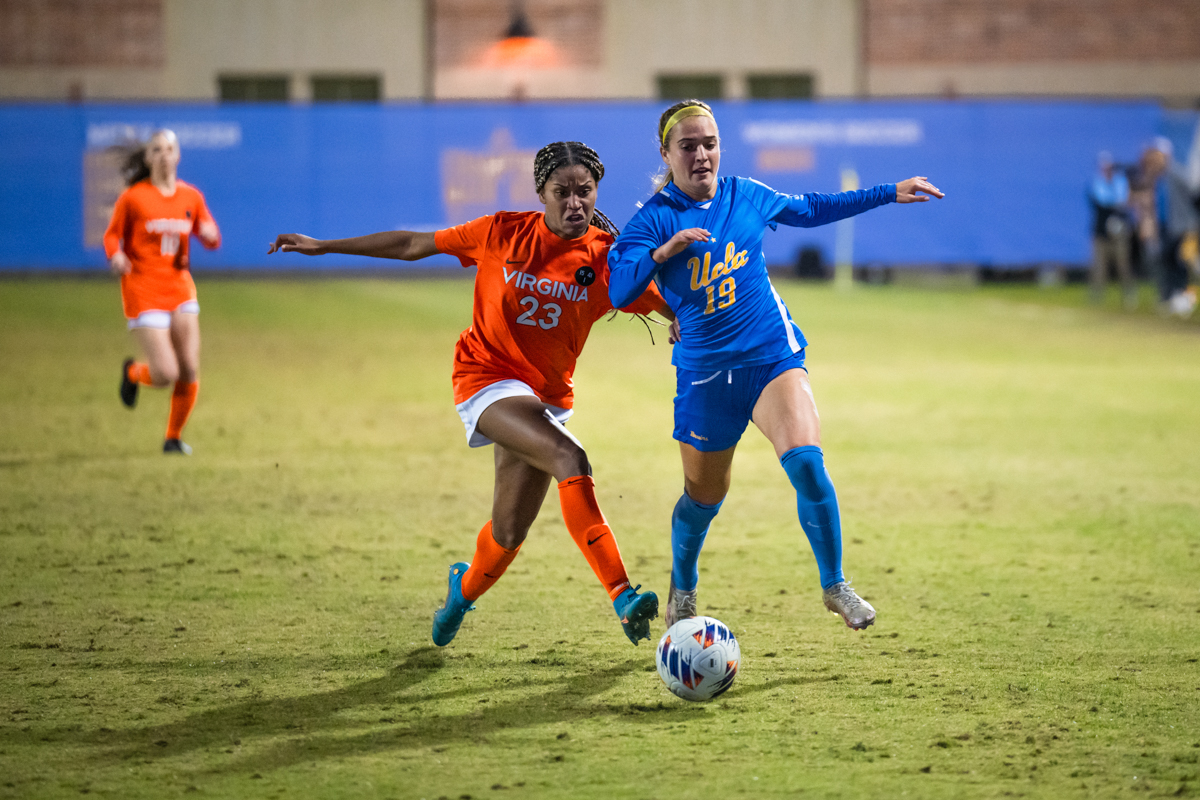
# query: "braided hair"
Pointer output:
{"type": "Point", "coordinates": [663, 178]}
{"type": "Point", "coordinates": [569, 154]}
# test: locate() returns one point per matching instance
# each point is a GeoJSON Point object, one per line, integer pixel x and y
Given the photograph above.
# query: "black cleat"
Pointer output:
{"type": "Point", "coordinates": [129, 389]}
{"type": "Point", "coordinates": [176, 446]}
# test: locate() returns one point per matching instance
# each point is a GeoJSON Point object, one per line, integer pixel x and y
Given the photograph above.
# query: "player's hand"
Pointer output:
{"type": "Point", "coordinates": [207, 231]}
{"type": "Point", "coordinates": [673, 332]}
{"type": "Point", "coordinates": [119, 264]}
{"type": "Point", "coordinates": [679, 242]}
{"type": "Point", "coordinates": [907, 191]}
{"type": "Point", "coordinates": [297, 243]}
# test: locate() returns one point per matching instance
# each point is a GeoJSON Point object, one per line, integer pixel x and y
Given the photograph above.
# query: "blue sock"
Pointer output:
{"type": "Point", "coordinates": [817, 505]}
{"type": "Point", "coordinates": [689, 526]}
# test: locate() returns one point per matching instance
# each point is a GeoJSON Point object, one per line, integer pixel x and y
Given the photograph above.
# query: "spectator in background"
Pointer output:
{"type": "Point", "coordinates": [1111, 230]}
{"type": "Point", "coordinates": [1179, 224]}
{"type": "Point", "coordinates": [1142, 180]}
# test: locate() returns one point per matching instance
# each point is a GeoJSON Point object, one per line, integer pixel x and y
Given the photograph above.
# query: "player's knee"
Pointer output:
{"type": "Point", "coordinates": [707, 493]}
{"type": "Point", "coordinates": [571, 460]}
{"type": "Point", "coordinates": [164, 375]}
{"type": "Point", "coordinates": [509, 534]}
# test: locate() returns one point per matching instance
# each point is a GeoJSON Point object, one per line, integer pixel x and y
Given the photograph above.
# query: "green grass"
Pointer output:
{"type": "Point", "coordinates": [1019, 477]}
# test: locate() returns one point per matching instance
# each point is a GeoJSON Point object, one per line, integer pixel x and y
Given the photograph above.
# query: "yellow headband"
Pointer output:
{"type": "Point", "coordinates": [686, 111]}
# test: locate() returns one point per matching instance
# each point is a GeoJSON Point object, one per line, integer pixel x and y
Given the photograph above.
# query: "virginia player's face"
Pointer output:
{"type": "Point", "coordinates": [693, 153]}
{"type": "Point", "coordinates": [162, 155]}
{"type": "Point", "coordinates": [570, 198]}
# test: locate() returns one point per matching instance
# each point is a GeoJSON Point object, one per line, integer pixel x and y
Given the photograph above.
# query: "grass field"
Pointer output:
{"type": "Point", "coordinates": [1019, 478]}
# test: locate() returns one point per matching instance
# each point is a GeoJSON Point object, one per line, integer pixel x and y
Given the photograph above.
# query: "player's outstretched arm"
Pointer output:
{"type": "Point", "coordinates": [909, 191]}
{"type": "Point", "coordinates": [403, 245]}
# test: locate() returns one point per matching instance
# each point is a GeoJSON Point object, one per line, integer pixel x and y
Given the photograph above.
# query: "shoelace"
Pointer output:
{"type": "Point", "coordinates": [686, 601]}
{"type": "Point", "coordinates": [846, 594]}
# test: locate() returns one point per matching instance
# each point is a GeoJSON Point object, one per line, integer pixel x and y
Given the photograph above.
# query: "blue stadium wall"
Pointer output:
{"type": "Point", "coordinates": [1014, 172]}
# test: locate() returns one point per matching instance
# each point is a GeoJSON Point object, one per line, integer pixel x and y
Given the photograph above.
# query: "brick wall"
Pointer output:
{"type": "Point", "coordinates": [914, 32]}
{"type": "Point", "coordinates": [81, 33]}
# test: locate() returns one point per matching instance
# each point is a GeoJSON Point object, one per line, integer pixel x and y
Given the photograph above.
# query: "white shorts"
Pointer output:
{"type": "Point", "coordinates": [470, 409]}
{"type": "Point", "coordinates": [162, 319]}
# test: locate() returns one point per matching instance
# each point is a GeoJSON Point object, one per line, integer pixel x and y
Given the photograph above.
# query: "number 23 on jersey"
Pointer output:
{"type": "Point", "coordinates": [549, 316]}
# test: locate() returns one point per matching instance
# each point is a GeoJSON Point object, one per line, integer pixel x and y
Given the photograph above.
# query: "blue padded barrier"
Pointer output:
{"type": "Point", "coordinates": [1014, 171]}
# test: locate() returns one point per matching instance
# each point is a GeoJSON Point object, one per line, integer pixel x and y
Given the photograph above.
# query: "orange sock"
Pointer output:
{"type": "Point", "coordinates": [488, 565]}
{"type": "Point", "coordinates": [591, 533]}
{"type": "Point", "coordinates": [183, 400]}
{"type": "Point", "coordinates": [139, 372]}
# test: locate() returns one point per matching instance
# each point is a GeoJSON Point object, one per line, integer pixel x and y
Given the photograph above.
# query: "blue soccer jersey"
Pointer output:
{"type": "Point", "coordinates": [729, 313]}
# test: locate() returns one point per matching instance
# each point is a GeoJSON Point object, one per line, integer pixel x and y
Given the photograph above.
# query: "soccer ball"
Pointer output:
{"type": "Point", "coordinates": [698, 658]}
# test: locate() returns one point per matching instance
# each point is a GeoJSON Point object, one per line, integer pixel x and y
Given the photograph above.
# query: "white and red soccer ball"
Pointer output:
{"type": "Point", "coordinates": [698, 658]}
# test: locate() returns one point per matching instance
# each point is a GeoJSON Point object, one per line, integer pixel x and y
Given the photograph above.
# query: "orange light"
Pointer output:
{"type": "Point", "coordinates": [521, 52]}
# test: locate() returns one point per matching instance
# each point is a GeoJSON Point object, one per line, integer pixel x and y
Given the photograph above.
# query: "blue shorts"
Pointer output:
{"type": "Point", "coordinates": [712, 409]}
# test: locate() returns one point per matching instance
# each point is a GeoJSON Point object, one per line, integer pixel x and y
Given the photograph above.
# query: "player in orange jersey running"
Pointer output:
{"type": "Point", "coordinates": [147, 247]}
{"type": "Point", "coordinates": [542, 282]}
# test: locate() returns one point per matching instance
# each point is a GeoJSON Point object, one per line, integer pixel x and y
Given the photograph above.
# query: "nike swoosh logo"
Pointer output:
{"type": "Point", "coordinates": [598, 538]}
{"type": "Point", "coordinates": [510, 261]}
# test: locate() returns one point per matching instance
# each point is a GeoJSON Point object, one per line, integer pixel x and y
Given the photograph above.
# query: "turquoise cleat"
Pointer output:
{"type": "Point", "coordinates": [635, 612]}
{"type": "Point", "coordinates": [448, 618]}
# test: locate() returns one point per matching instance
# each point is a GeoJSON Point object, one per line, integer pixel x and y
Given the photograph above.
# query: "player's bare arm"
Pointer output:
{"type": "Point", "coordinates": [402, 245]}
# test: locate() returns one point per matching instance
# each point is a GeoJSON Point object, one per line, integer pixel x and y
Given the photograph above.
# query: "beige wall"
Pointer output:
{"type": "Point", "coordinates": [201, 39]}
{"type": "Point", "coordinates": [92, 83]}
{"type": "Point", "coordinates": [642, 39]}
{"type": "Point", "coordinates": [175, 49]}
{"type": "Point", "coordinates": [639, 39]}
{"type": "Point", "coordinates": [297, 37]}
{"type": "Point", "coordinates": [733, 37]}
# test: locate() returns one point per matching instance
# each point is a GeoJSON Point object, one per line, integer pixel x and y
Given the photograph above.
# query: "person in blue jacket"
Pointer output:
{"type": "Point", "coordinates": [738, 355]}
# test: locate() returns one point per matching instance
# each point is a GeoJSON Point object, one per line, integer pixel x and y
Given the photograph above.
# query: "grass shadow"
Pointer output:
{"type": "Point", "coordinates": [258, 735]}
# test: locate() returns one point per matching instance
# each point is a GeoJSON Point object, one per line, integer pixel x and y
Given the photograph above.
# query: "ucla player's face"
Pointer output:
{"type": "Point", "coordinates": [693, 153]}
{"type": "Point", "coordinates": [570, 198]}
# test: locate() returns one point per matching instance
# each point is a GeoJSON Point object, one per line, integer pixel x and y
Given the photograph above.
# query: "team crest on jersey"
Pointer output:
{"type": "Point", "coordinates": [585, 276]}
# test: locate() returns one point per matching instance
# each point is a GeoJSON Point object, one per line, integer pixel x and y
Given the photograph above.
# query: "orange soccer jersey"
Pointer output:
{"type": "Point", "coordinates": [536, 297]}
{"type": "Point", "coordinates": [153, 231]}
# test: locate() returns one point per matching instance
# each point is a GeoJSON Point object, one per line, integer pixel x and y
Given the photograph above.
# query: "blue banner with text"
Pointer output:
{"type": "Point", "coordinates": [1014, 172]}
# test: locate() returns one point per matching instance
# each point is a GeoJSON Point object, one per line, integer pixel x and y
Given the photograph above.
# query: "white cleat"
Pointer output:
{"type": "Point", "coordinates": [680, 604]}
{"type": "Point", "coordinates": [841, 599]}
